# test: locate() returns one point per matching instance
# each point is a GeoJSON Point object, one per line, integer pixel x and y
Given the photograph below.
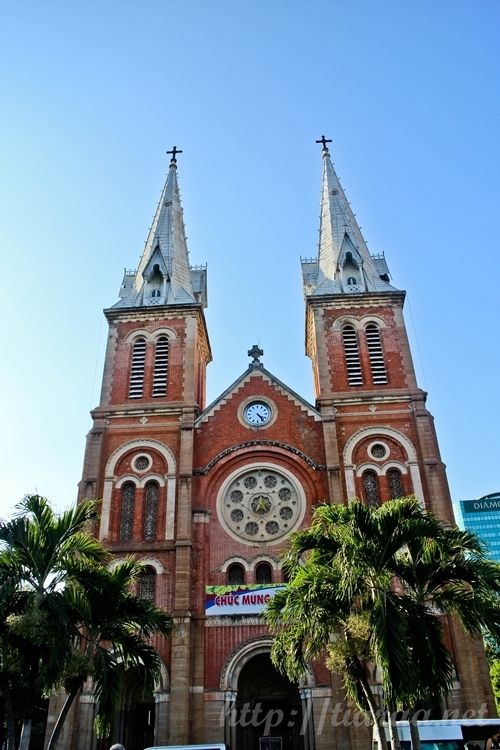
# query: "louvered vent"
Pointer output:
{"type": "Point", "coordinates": [161, 367]}
{"type": "Point", "coordinates": [137, 369]}
{"type": "Point", "coordinates": [351, 350]}
{"type": "Point", "coordinates": [374, 344]}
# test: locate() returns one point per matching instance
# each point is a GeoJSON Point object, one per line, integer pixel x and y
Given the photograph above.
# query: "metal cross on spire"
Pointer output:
{"type": "Point", "coordinates": [255, 352]}
{"type": "Point", "coordinates": [174, 152]}
{"type": "Point", "coordinates": [324, 141]}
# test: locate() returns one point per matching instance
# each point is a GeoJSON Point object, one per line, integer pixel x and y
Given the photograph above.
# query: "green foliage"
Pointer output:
{"type": "Point", "coordinates": [370, 586]}
{"type": "Point", "coordinates": [65, 615]}
{"type": "Point", "coordinates": [495, 680]}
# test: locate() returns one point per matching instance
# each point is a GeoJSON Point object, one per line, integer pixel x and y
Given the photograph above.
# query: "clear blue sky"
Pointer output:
{"type": "Point", "coordinates": [94, 93]}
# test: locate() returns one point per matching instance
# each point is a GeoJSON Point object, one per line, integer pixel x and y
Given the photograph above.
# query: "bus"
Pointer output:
{"type": "Point", "coordinates": [449, 734]}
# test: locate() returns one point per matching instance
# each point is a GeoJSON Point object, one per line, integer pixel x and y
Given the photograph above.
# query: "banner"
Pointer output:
{"type": "Point", "coordinates": [238, 600]}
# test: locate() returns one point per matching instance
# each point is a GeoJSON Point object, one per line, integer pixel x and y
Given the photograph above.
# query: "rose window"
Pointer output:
{"type": "Point", "coordinates": [261, 504]}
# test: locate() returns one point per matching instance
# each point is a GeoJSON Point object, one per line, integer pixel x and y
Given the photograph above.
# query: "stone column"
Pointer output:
{"type": "Point", "coordinates": [162, 718]}
{"type": "Point", "coordinates": [230, 716]}
{"type": "Point", "coordinates": [307, 722]}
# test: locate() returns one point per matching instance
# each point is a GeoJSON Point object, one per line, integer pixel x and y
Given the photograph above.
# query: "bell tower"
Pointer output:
{"type": "Point", "coordinates": [139, 452]}
{"type": "Point", "coordinates": [379, 437]}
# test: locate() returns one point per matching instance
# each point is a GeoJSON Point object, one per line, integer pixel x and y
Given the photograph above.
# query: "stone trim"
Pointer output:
{"type": "Point", "coordinates": [256, 444]}
{"type": "Point", "coordinates": [376, 432]}
{"type": "Point", "coordinates": [381, 470]}
{"type": "Point", "coordinates": [110, 480]}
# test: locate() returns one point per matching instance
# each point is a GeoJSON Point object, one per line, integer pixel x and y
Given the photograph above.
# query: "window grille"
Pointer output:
{"type": "Point", "coordinates": [351, 351]}
{"type": "Point", "coordinates": [263, 573]}
{"type": "Point", "coordinates": [370, 488]}
{"type": "Point", "coordinates": [147, 584]}
{"type": "Point", "coordinates": [161, 367]}
{"type": "Point", "coordinates": [374, 344]}
{"type": "Point", "coordinates": [137, 368]}
{"type": "Point", "coordinates": [151, 510]}
{"type": "Point", "coordinates": [235, 574]}
{"type": "Point", "coordinates": [395, 483]}
{"type": "Point", "coordinates": [127, 511]}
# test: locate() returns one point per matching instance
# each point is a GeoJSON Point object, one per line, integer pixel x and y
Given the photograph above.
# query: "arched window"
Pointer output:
{"type": "Point", "coordinates": [351, 351]}
{"type": "Point", "coordinates": [146, 584]}
{"type": "Point", "coordinates": [374, 344]}
{"type": "Point", "coordinates": [156, 293]}
{"type": "Point", "coordinates": [127, 511]}
{"type": "Point", "coordinates": [395, 483]}
{"type": "Point", "coordinates": [161, 367]}
{"type": "Point", "coordinates": [151, 510]}
{"type": "Point", "coordinates": [137, 369]}
{"type": "Point", "coordinates": [351, 281]}
{"type": "Point", "coordinates": [263, 573]}
{"type": "Point", "coordinates": [236, 574]}
{"type": "Point", "coordinates": [370, 488]}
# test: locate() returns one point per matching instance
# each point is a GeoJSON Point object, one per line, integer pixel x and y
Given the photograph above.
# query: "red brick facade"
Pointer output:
{"type": "Point", "coordinates": [193, 457]}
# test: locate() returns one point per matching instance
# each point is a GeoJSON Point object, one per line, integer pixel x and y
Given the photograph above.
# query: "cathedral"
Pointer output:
{"type": "Point", "coordinates": [206, 496]}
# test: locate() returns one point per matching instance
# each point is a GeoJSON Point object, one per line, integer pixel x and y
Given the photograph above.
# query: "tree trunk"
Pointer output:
{"type": "Point", "coordinates": [414, 733]}
{"type": "Point", "coordinates": [376, 714]}
{"type": "Point", "coordinates": [56, 732]}
{"type": "Point", "coordinates": [24, 741]}
{"type": "Point", "coordinates": [10, 719]}
{"type": "Point", "coordinates": [393, 730]}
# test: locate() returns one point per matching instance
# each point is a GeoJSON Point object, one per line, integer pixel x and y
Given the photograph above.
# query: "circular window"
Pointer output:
{"type": "Point", "coordinates": [261, 504]}
{"type": "Point", "coordinates": [142, 462]}
{"type": "Point", "coordinates": [378, 451]}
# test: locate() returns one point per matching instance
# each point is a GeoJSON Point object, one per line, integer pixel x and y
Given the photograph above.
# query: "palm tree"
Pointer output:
{"type": "Point", "coordinates": [311, 616]}
{"type": "Point", "coordinates": [40, 553]}
{"type": "Point", "coordinates": [114, 626]}
{"type": "Point", "coordinates": [395, 569]}
{"type": "Point", "coordinates": [445, 575]}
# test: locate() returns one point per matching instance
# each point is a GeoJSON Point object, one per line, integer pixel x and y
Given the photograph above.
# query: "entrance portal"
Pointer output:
{"type": "Point", "coordinates": [267, 706]}
{"type": "Point", "coordinates": [134, 723]}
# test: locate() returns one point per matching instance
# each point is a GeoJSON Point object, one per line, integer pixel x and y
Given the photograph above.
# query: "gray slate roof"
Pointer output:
{"type": "Point", "coordinates": [344, 263]}
{"type": "Point", "coordinates": [164, 276]}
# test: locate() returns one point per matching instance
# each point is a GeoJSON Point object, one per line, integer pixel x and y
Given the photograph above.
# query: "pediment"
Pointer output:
{"type": "Point", "coordinates": [349, 255]}
{"type": "Point", "coordinates": [270, 383]}
{"type": "Point", "coordinates": [156, 265]}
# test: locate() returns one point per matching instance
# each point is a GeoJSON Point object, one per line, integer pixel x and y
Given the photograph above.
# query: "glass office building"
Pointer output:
{"type": "Point", "coordinates": [482, 516]}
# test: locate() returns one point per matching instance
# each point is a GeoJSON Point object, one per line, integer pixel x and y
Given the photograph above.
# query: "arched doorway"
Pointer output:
{"type": "Point", "coordinates": [134, 723]}
{"type": "Point", "coordinates": [267, 706]}
{"type": "Point", "coordinates": [137, 715]}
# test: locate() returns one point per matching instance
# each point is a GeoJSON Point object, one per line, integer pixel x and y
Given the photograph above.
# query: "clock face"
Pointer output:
{"type": "Point", "coordinates": [257, 413]}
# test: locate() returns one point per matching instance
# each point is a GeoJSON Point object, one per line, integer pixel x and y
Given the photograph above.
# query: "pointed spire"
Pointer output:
{"type": "Point", "coordinates": [344, 262]}
{"type": "Point", "coordinates": [164, 276]}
